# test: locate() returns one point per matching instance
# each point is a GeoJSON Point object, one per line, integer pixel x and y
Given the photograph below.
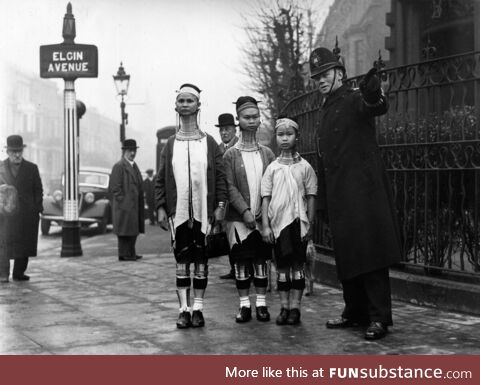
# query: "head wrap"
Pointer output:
{"type": "Point", "coordinates": [286, 122]}
{"type": "Point", "coordinates": [190, 89]}
{"type": "Point", "coordinates": [244, 102]}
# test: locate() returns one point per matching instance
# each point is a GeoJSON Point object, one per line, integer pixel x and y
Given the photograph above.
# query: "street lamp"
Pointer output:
{"type": "Point", "coordinates": [122, 80]}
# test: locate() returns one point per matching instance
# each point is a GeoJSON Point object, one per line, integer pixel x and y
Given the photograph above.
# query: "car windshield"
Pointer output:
{"type": "Point", "coordinates": [93, 179]}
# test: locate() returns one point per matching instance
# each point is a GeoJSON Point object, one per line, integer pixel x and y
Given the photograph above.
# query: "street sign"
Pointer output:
{"type": "Point", "coordinates": [68, 61]}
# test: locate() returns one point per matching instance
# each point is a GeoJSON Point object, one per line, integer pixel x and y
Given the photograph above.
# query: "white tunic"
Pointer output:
{"type": "Point", "coordinates": [198, 174]}
{"type": "Point", "coordinates": [288, 186]}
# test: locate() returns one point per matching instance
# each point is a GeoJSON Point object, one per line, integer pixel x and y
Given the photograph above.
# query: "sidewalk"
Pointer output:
{"type": "Point", "coordinates": [95, 304]}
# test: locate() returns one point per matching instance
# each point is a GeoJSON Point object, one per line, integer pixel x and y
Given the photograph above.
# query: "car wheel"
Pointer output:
{"type": "Point", "coordinates": [45, 226]}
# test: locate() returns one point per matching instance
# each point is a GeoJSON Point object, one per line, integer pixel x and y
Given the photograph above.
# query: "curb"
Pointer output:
{"type": "Point", "coordinates": [433, 292]}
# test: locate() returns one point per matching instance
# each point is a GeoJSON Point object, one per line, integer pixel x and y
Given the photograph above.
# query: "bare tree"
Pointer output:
{"type": "Point", "coordinates": [279, 40]}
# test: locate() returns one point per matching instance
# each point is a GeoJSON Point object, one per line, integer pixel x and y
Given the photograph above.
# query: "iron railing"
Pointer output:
{"type": "Point", "coordinates": [430, 143]}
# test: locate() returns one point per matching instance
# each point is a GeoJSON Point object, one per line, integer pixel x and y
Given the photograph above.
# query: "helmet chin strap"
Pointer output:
{"type": "Point", "coordinates": [333, 83]}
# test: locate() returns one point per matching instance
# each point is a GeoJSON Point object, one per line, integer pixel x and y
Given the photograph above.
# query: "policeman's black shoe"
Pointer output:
{"type": "Point", "coordinates": [23, 277]}
{"type": "Point", "coordinates": [138, 256]}
{"type": "Point", "coordinates": [197, 319]}
{"type": "Point", "coordinates": [375, 331]}
{"type": "Point", "coordinates": [244, 315]}
{"type": "Point", "coordinates": [262, 313]}
{"type": "Point", "coordinates": [184, 320]}
{"type": "Point", "coordinates": [341, 323]}
{"type": "Point", "coordinates": [127, 258]}
{"type": "Point", "coordinates": [282, 317]}
{"type": "Point", "coordinates": [230, 275]}
{"type": "Point", "coordinates": [293, 317]}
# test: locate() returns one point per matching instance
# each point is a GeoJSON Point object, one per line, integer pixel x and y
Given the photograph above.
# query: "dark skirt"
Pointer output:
{"type": "Point", "coordinates": [190, 244]}
{"type": "Point", "coordinates": [251, 250]}
{"type": "Point", "coordinates": [290, 250]}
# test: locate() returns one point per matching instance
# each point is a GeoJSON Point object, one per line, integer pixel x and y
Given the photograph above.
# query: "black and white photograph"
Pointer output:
{"type": "Point", "coordinates": [223, 177]}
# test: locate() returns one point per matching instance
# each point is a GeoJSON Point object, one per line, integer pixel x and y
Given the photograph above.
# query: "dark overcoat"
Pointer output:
{"type": "Point", "coordinates": [148, 189]}
{"type": "Point", "coordinates": [22, 227]}
{"type": "Point", "coordinates": [354, 186]}
{"type": "Point", "coordinates": [126, 187]}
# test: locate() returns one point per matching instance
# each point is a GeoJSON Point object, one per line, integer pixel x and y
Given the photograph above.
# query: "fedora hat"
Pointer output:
{"type": "Point", "coordinates": [225, 120]}
{"type": "Point", "coordinates": [15, 143]}
{"type": "Point", "coordinates": [321, 60]}
{"type": "Point", "coordinates": [129, 144]}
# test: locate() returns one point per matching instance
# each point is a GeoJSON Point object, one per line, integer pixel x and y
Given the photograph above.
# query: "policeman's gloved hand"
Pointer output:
{"type": "Point", "coordinates": [370, 87]}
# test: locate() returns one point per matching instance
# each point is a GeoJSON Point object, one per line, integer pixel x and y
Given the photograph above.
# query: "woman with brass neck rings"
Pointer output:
{"type": "Point", "coordinates": [245, 164]}
{"type": "Point", "coordinates": [190, 194]}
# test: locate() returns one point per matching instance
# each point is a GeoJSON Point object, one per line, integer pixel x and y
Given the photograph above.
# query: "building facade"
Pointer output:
{"type": "Point", "coordinates": [430, 137]}
{"type": "Point", "coordinates": [33, 107]}
{"type": "Point", "coordinates": [360, 29]}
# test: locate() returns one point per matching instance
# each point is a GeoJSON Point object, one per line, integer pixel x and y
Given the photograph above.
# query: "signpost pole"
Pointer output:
{"type": "Point", "coordinates": [71, 245]}
{"type": "Point", "coordinates": [70, 61]}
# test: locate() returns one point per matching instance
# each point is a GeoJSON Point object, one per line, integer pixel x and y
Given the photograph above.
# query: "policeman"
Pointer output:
{"type": "Point", "coordinates": [355, 192]}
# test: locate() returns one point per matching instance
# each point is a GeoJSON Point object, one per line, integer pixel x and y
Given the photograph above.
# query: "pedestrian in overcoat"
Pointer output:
{"type": "Point", "coordinates": [228, 134]}
{"type": "Point", "coordinates": [148, 189]}
{"type": "Point", "coordinates": [22, 227]}
{"type": "Point", "coordinates": [8, 207]}
{"type": "Point", "coordinates": [128, 215]}
{"type": "Point", "coordinates": [355, 193]}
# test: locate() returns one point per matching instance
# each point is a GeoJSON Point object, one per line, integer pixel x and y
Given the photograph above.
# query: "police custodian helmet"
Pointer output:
{"type": "Point", "coordinates": [321, 60]}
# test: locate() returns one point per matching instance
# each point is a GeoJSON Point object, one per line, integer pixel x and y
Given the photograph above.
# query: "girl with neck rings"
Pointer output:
{"type": "Point", "coordinates": [245, 164]}
{"type": "Point", "coordinates": [190, 193]}
{"type": "Point", "coordinates": [289, 187]}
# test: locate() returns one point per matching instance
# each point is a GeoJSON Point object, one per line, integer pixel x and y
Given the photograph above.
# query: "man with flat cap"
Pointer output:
{"type": "Point", "coordinates": [228, 130]}
{"type": "Point", "coordinates": [126, 187]}
{"type": "Point", "coordinates": [148, 189]}
{"type": "Point", "coordinates": [355, 191]}
{"type": "Point", "coordinates": [21, 228]}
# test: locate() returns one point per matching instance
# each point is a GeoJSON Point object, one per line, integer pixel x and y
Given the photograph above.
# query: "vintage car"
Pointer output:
{"type": "Point", "coordinates": [93, 202]}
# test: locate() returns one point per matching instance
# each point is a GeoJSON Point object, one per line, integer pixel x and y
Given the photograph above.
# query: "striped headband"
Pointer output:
{"type": "Point", "coordinates": [189, 90]}
{"type": "Point", "coordinates": [246, 105]}
{"type": "Point", "coordinates": [285, 122]}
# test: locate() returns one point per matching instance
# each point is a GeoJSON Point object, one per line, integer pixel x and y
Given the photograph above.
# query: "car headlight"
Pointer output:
{"type": "Point", "coordinates": [57, 195]}
{"type": "Point", "coordinates": [89, 197]}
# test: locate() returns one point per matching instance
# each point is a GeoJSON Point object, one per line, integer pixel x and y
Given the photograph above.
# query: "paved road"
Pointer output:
{"type": "Point", "coordinates": [95, 304]}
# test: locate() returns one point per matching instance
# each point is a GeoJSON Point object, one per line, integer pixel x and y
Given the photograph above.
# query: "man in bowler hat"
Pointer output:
{"type": "Point", "coordinates": [21, 228]}
{"type": "Point", "coordinates": [228, 130]}
{"type": "Point", "coordinates": [126, 187]}
{"type": "Point", "coordinates": [355, 191]}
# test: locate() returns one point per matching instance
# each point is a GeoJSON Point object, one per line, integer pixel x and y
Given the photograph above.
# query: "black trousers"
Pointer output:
{"type": "Point", "coordinates": [19, 267]}
{"type": "Point", "coordinates": [126, 246]}
{"type": "Point", "coordinates": [367, 297]}
{"type": "Point", "coordinates": [151, 214]}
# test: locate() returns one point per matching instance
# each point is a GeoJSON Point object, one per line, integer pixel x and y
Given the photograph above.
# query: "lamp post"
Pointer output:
{"type": "Point", "coordinates": [122, 81]}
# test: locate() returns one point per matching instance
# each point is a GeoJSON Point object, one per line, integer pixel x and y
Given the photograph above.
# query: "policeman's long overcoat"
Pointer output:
{"type": "Point", "coordinates": [356, 190]}
{"type": "Point", "coordinates": [128, 215]}
{"type": "Point", "coordinates": [22, 227]}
